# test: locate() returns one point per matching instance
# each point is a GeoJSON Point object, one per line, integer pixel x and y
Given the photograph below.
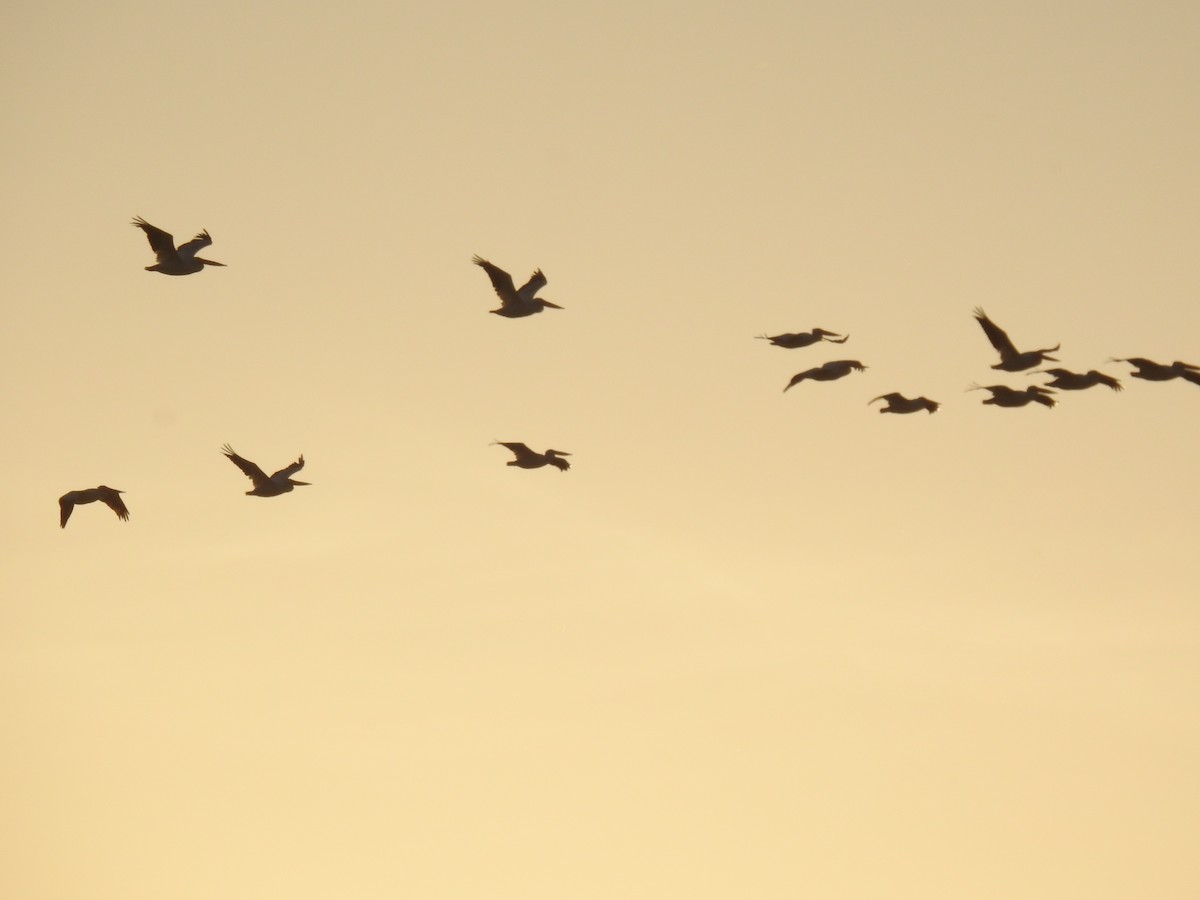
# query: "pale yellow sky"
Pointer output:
{"type": "Point", "coordinates": [753, 644]}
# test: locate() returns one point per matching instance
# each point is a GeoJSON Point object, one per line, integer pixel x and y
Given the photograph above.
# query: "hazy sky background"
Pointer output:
{"type": "Point", "coordinates": [753, 644]}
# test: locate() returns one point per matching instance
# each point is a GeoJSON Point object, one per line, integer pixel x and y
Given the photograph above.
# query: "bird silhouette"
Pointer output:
{"type": "Point", "coordinates": [898, 403]}
{"type": "Point", "coordinates": [1002, 395]}
{"type": "Point", "coordinates": [172, 260]}
{"type": "Point", "coordinates": [800, 339]}
{"type": "Point", "coordinates": [1066, 380]}
{"type": "Point", "coordinates": [1011, 359]}
{"type": "Point", "coordinates": [531, 459]}
{"type": "Point", "coordinates": [515, 304]}
{"type": "Point", "coordinates": [273, 485]}
{"type": "Point", "coordinates": [1152, 371]}
{"type": "Point", "coordinates": [830, 371]}
{"type": "Point", "coordinates": [111, 497]}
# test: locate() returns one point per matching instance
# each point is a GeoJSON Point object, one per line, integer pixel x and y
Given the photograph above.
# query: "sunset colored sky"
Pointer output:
{"type": "Point", "coordinates": [754, 644]}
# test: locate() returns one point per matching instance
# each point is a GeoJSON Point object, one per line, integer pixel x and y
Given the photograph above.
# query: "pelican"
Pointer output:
{"type": "Point", "coordinates": [111, 497]}
{"type": "Point", "coordinates": [1002, 395]}
{"type": "Point", "coordinates": [1066, 380]}
{"type": "Point", "coordinates": [515, 304]}
{"type": "Point", "coordinates": [1152, 371]}
{"type": "Point", "coordinates": [830, 371]}
{"type": "Point", "coordinates": [531, 459]}
{"type": "Point", "coordinates": [1011, 360]}
{"type": "Point", "coordinates": [172, 260]}
{"type": "Point", "coordinates": [280, 482]}
{"type": "Point", "coordinates": [804, 339]}
{"type": "Point", "coordinates": [898, 403]}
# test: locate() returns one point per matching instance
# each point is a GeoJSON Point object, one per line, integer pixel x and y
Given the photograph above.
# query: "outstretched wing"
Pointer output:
{"type": "Point", "coordinates": [995, 334]}
{"type": "Point", "coordinates": [890, 398]}
{"type": "Point", "coordinates": [536, 282]}
{"type": "Point", "coordinates": [290, 470]}
{"type": "Point", "coordinates": [520, 450]}
{"type": "Point", "coordinates": [195, 245]}
{"type": "Point", "coordinates": [114, 502]}
{"type": "Point", "coordinates": [66, 503]}
{"type": "Point", "coordinates": [253, 472]}
{"type": "Point", "coordinates": [501, 281]}
{"type": "Point", "coordinates": [161, 243]}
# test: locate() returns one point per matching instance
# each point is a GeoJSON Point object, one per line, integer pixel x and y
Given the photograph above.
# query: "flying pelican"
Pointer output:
{"type": "Point", "coordinates": [1152, 371]}
{"type": "Point", "coordinates": [109, 496]}
{"type": "Point", "coordinates": [898, 403]}
{"type": "Point", "coordinates": [278, 483]}
{"type": "Point", "coordinates": [1011, 360]}
{"type": "Point", "coordinates": [171, 260]}
{"type": "Point", "coordinates": [1002, 395]}
{"type": "Point", "coordinates": [1066, 380]}
{"type": "Point", "coordinates": [531, 459]}
{"type": "Point", "coordinates": [830, 371]}
{"type": "Point", "coordinates": [804, 339]}
{"type": "Point", "coordinates": [513, 303]}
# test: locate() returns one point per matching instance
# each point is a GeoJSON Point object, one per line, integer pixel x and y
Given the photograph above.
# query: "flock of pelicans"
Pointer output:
{"type": "Point", "coordinates": [1011, 360]}
{"type": "Point", "coordinates": [517, 303]}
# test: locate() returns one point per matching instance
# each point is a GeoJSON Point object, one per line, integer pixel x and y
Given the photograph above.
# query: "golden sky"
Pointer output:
{"type": "Point", "coordinates": [753, 644]}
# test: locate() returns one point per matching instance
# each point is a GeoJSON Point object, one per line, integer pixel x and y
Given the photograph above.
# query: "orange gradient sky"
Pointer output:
{"type": "Point", "coordinates": [753, 644]}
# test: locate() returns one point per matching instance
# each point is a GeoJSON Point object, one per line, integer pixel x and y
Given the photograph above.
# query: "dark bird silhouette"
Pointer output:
{"type": "Point", "coordinates": [804, 338]}
{"type": "Point", "coordinates": [172, 260]}
{"type": "Point", "coordinates": [531, 459]}
{"type": "Point", "coordinates": [1152, 371]}
{"type": "Point", "coordinates": [1066, 380]}
{"type": "Point", "coordinates": [1011, 359]}
{"type": "Point", "coordinates": [111, 497]}
{"type": "Point", "coordinates": [278, 483]}
{"type": "Point", "coordinates": [514, 304]}
{"type": "Point", "coordinates": [1002, 395]}
{"type": "Point", "coordinates": [898, 403]}
{"type": "Point", "coordinates": [830, 371]}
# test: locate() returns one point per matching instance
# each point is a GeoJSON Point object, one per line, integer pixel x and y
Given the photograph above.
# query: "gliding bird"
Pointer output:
{"type": "Point", "coordinates": [1152, 371]}
{"type": "Point", "coordinates": [804, 338]}
{"type": "Point", "coordinates": [830, 371]}
{"type": "Point", "coordinates": [278, 483]}
{"type": "Point", "coordinates": [1066, 380]}
{"type": "Point", "coordinates": [898, 403]}
{"type": "Point", "coordinates": [111, 497]}
{"type": "Point", "coordinates": [514, 304]}
{"type": "Point", "coordinates": [1002, 395]}
{"type": "Point", "coordinates": [172, 260]}
{"type": "Point", "coordinates": [531, 459]}
{"type": "Point", "coordinates": [1011, 360]}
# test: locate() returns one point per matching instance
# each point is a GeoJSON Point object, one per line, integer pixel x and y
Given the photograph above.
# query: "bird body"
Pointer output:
{"type": "Point", "coordinates": [1002, 395]}
{"type": "Point", "coordinates": [1011, 359]}
{"type": "Point", "coordinates": [111, 497]}
{"type": "Point", "coordinates": [531, 459]}
{"type": "Point", "coordinates": [898, 403]}
{"type": "Point", "coordinates": [1152, 371]}
{"type": "Point", "coordinates": [830, 371]}
{"type": "Point", "coordinates": [277, 483]}
{"type": "Point", "coordinates": [1066, 380]}
{"type": "Point", "coordinates": [172, 260]}
{"type": "Point", "coordinates": [515, 304]}
{"type": "Point", "coordinates": [797, 340]}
